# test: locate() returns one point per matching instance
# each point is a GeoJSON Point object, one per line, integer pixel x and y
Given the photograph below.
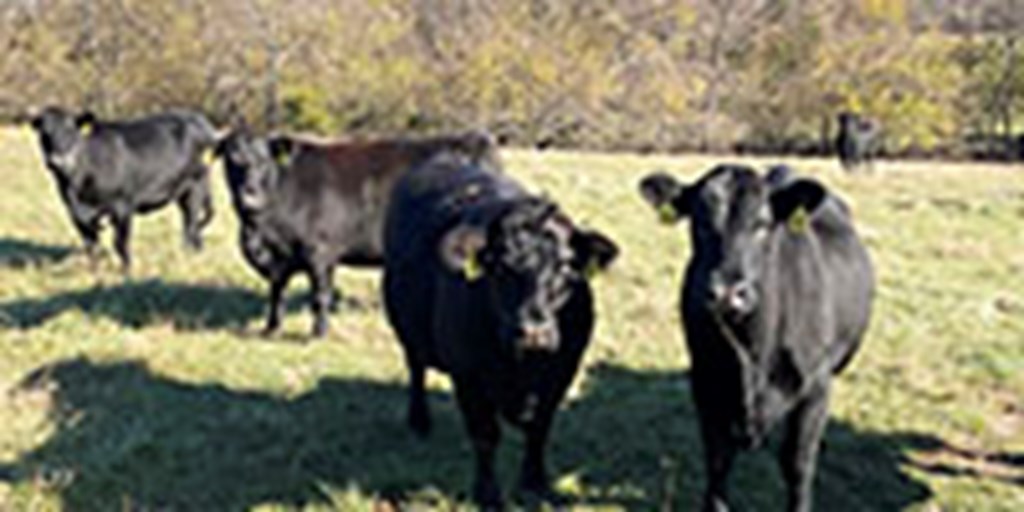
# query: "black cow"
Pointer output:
{"type": "Point", "coordinates": [306, 206]}
{"type": "Point", "coordinates": [776, 300]}
{"type": "Point", "coordinates": [488, 283]}
{"type": "Point", "coordinates": [857, 142]}
{"type": "Point", "coordinates": [119, 168]}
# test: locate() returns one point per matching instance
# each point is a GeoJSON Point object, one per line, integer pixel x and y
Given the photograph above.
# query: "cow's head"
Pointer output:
{"type": "Point", "coordinates": [845, 119]}
{"type": "Point", "coordinates": [59, 132]}
{"type": "Point", "coordinates": [734, 215]}
{"type": "Point", "coordinates": [253, 165]}
{"type": "Point", "coordinates": [530, 257]}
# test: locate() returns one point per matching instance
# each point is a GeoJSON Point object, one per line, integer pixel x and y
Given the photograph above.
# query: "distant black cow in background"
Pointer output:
{"type": "Point", "coordinates": [776, 300]}
{"type": "Point", "coordinates": [857, 142]}
{"type": "Point", "coordinates": [488, 283]}
{"type": "Point", "coordinates": [306, 206]}
{"type": "Point", "coordinates": [118, 168]}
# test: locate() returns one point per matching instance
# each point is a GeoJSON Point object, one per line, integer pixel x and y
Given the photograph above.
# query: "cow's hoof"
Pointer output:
{"type": "Point", "coordinates": [535, 496]}
{"type": "Point", "coordinates": [420, 424]}
{"type": "Point", "coordinates": [487, 496]}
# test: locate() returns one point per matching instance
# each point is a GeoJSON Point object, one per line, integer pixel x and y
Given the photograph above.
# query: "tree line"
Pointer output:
{"type": "Point", "coordinates": [942, 77]}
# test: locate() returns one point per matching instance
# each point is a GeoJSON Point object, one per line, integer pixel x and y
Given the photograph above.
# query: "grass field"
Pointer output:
{"type": "Point", "coordinates": [155, 393]}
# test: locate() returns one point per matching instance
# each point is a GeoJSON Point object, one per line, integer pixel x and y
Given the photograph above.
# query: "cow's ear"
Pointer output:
{"type": "Point", "coordinates": [85, 122]}
{"type": "Point", "coordinates": [37, 123]}
{"type": "Point", "coordinates": [795, 202]}
{"type": "Point", "coordinates": [460, 250]}
{"type": "Point", "coordinates": [592, 251]}
{"type": "Point", "coordinates": [669, 197]}
{"type": "Point", "coordinates": [282, 150]}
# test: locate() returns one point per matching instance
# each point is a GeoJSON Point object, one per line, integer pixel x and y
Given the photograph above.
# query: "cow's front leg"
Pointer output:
{"type": "Point", "coordinates": [88, 231]}
{"type": "Point", "coordinates": [196, 211]}
{"type": "Point", "coordinates": [719, 453]}
{"type": "Point", "coordinates": [322, 277]}
{"type": "Point", "coordinates": [278, 284]}
{"type": "Point", "coordinates": [533, 476]}
{"type": "Point", "coordinates": [481, 420]}
{"type": "Point", "coordinates": [122, 240]}
{"type": "Point", "coordinates": [799, 452]}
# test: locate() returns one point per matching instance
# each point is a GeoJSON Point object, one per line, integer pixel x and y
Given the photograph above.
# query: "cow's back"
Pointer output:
{"type": "Point", "coordinates": [344, 188]}
{"type": "Point", "coordinates": [424, 203]}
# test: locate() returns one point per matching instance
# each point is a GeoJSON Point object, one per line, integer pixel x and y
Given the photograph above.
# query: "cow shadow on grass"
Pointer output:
{"type": "Point", "coordinates": [138, 304]}
{"type": "Point", "coordinates": [18, 254]}
{"type": "Point", "coordinates": [126, 435]}
{"type": "Point", "coordinates": [647, 447]}
{"type": "Point", "coordinates": [141, 303]}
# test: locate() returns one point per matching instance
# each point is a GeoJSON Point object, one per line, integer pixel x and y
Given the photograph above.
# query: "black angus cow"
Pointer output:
{"type": "Point", "coordinates": [307, 206]}
{"type": "Point", "coordinates": [488, 283]}
{"type": "Point", "coordinates": [857, 141]}
{"type": "Point", "coordinates": [118, 168]}
{"type": "Point", "coordinates": [776, 300]}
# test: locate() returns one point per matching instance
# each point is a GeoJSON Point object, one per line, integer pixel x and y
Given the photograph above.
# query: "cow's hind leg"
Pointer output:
{"type": "Point", "coordinates": [419, 411]}
{"type": "Point", "coordinates": [322, 278]}
{"type": "Point", "coordinates": [799, 453]}
{"type": "Point", "coordinates": [89, 231]}
{"type": "Point", "coordinates": [122, 239]}
{"type": "Point", "coordinates": [481, 419]}
{"type": "Point", "coordinates": [196, 211]}
{"type": "Point", "coordinates": [278, 285]}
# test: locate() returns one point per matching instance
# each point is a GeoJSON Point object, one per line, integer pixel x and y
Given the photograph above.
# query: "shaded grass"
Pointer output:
{"type": "Point", "coordinates": [143, 395]}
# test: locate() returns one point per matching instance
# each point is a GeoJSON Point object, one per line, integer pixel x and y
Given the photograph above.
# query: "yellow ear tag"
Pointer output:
{"type": "Point", "coordinates": [799, 221]}
{"type": "Point", "coordinates": [471, 268]}
{"type": "Point", "coordinates": [208, 157]}
{"type": "Point", "coordinates": [283, 159]}
{"type": "Point", "coordinates": [667, 213]}
{"type": "Point", "coordinates": [85, 129]}
{"type": "Point", "coordinates": [592, 269]}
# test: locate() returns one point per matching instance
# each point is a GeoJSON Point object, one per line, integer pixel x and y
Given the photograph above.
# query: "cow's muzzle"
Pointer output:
{"type": "Point", "coordinates": [537, 337]}
{"type": "Point", "coordinates": [737, 298]}
{"type": "Point", "coordinates": [252, 199]}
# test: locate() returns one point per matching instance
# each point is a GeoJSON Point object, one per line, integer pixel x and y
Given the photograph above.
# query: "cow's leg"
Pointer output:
{"type": "Point", "coordinates": [719, 453]}
{"type": "Point", "coordinates": [419, 411]}
{"type": "Point", "coordinates": [533, 476]}
{"type": "Point", "coordinates": [335, 300]}
{"type": "Point", "coordinates": [122, 239]}
{"type": "Point", "coordinates": [88, 231]}
{"type": "Point", "coordinates": [196, 211]}
{"type": "Point", "coordinates": [322, 278]}
{"type": "Point", "coordinates": [481, 420]}
{"type": "Point", "coordinates": [799, 452]}
{"type": "Point", "coordinates": [278, 285]}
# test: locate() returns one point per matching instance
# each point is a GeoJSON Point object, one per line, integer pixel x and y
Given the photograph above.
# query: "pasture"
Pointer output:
{"type": "Point", "coordinates": [156, 393]}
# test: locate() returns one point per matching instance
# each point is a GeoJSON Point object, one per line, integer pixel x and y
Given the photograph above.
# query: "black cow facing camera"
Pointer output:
{"type": "Point", "coordinates": [776, 299]}
{"type": "Point", "coordinates": [116, 169]}
{"type": "Point", "coordinates": [857, 142]}
{"type": "Point", "coordinates": [489, 284]}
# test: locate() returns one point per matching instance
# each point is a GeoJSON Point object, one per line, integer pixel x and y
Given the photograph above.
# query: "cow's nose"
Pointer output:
{"type": "Point", "coordinates": [737, 297]}
{"type": "Point", "coordinates": [538, 337]}
{"type": "Point", "coordinates": [251, 197]}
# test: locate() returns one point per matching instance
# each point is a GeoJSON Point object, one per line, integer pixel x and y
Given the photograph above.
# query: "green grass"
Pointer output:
{"type": "Point", "coordinates": [155, 393]}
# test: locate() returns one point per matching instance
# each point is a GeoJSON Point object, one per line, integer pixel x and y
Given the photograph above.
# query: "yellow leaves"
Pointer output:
{"type": "Point", "coordinates": [891, 11]}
